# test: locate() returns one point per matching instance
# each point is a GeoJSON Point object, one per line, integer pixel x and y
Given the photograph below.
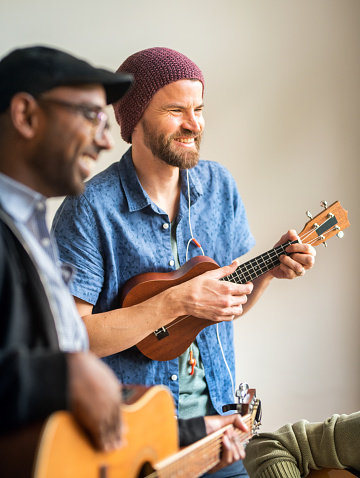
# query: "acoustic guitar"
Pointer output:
{"type": "Point", "coordinates": [330, 473]}
{"type": "Point", "coordinates": [63, 450]}
{"type": "Point", "coordinates": [174, 338]}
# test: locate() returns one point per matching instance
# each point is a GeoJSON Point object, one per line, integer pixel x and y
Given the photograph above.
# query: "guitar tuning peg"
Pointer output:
{"type": "Point", "coordinates": [340, 234]}
{"type": "Point", "coordinates": [323, 204]}
{"type": "Point", "coordinates": [243, 390]}
{"type": "Point", "coordinates": [309, 215]}
{"type": "Point", "coordinates": [324, 244]}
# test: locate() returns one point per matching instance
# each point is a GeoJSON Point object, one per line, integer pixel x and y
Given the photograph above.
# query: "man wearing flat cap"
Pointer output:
{"type": "Point", "coordinates": [52, 121]}
{"type": "Point", "coordinates": [152, 211]}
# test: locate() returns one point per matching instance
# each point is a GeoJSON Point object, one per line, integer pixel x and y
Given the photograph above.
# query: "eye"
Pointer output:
{"type": "Point", "coordinates": [91, 115]}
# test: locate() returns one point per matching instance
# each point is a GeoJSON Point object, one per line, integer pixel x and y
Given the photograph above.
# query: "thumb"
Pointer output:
{"type": "Point", "coordinates": [223, 271]}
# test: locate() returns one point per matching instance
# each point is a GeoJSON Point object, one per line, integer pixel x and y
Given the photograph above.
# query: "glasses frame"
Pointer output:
{"type": "Point", "coordinates": [95, 115]}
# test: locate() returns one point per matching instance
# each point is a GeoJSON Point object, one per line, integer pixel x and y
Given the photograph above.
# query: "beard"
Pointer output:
{"type": "Point", "coordinates": [162, 147]}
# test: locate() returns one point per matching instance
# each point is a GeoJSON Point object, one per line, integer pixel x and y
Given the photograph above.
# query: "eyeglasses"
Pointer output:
{"type": "Point", "coordinates": [93, 114]}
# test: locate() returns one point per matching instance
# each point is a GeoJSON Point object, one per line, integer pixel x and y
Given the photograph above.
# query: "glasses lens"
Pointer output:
{"type": "Point", "coordinates": [102, 125]}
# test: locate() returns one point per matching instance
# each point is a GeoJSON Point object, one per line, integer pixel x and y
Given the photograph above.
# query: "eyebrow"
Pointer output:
{"type": "Point", "coordinates": [182, 107]}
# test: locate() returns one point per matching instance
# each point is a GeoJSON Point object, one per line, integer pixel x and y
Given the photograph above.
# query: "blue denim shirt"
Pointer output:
{"type": "Point", "coordinates": [113, 231]}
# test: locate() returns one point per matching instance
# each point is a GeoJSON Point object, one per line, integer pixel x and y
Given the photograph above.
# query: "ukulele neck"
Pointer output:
{"type": "Point", "coordinates": [259, 265]}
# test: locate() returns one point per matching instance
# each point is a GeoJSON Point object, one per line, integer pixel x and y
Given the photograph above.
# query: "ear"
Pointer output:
{"type": "Point", "coordinates": [24, 112]}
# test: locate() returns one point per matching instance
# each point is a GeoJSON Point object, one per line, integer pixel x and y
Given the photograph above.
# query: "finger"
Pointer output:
{"type": "Point", "coordinates": [291, 235]}
{"type": "Point", "coordinates": [240, 423]}
{"type": "Point", "coordinates": [227, 451]}
{"type": "Point", "coordinates": [297, 263]}
{"type": "Point", "coordinates": [223, 271]}
{"type": "Point", "coordinates": [231, 288]}
{"type": "Point", "coordinates": [303, 254]}
{"type": "Point", "coordinates": [292, 272]}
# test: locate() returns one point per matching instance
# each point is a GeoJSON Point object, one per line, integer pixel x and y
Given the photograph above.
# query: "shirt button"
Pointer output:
{"type": "Point", "coordinates": [45, 242]}
{"type": "Point", "coordinates": [165, 225]}
{"type": "Point", "coordinates": [173, 377]}
{"type": "Point", "coordinates": [171, 263]}
{"type": "Point", "coordinates": [40, 206]}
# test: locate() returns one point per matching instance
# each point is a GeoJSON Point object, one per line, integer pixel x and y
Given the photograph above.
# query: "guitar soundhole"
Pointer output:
{"type": "Point", "coordinates": [103, 471]}
{"type": "Point", "coordinates": [146, 470]}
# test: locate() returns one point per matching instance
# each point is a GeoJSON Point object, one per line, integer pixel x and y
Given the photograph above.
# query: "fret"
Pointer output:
{"type": "Point", "coordinates": [258, 266]}
{"type": "Point", "coordinates": [201, 456]}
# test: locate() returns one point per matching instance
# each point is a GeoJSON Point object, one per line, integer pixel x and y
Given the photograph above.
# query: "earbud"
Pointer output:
{"type": "Point", "coordinates": [197, 244]}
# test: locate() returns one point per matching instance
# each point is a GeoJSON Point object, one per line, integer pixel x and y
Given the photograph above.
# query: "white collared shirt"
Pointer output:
{"type": "Point", "coordinates": [27, 208]}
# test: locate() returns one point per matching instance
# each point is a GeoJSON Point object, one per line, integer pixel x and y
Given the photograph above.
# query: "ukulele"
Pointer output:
{"type": "Point", "coordinates": [171, 340]}
{"type": "Point", "coordinates": [61, 449]}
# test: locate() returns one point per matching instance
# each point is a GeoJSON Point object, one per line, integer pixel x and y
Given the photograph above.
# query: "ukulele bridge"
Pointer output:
{"type": "Point", "coordinates": [161, 333]}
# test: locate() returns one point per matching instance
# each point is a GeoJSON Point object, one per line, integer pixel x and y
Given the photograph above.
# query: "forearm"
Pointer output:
{"type": "Point", "coordinates": [203, 296]}
{"type": "Point", "coordinates": [119, 329]}
{"type": "Point", "coordinates": [295, 449]}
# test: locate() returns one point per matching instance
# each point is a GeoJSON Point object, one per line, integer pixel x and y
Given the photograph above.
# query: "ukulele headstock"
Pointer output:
{"type": "Point", "coordinates": [333, 220]}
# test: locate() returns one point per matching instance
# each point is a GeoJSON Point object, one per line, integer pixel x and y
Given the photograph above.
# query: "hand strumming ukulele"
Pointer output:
{"type": "Point", "coordinates": [171, 340]}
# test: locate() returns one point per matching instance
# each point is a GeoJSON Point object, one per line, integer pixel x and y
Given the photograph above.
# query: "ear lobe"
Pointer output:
{"type": "Point", "coordinates": [24, 114]}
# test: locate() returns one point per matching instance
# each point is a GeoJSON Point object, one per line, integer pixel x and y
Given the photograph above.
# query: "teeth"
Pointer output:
{"type": "Point", "coordinates": [185, 140]}
{"type": "Point", "coordinates": [88, 161]}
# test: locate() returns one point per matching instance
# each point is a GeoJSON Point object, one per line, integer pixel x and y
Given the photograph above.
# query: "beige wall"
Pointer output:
{"type": "Point", "coordinates": [283, 112]}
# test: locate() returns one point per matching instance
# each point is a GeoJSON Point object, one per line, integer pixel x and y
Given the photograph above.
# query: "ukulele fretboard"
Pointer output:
{"type": "Point", "coordinates": [259, 265]}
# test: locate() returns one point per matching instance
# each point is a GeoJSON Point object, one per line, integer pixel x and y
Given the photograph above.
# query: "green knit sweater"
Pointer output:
{"type": "Point", "coordinates": [294, 449]}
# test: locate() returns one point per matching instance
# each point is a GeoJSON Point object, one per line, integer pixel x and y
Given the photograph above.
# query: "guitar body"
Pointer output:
{"type": "Point", "coordinates": [330, 473]}
{"type": "Point", "coordinates": [183, 329]}
{"type": "Point", "coordinates": [64, 450]}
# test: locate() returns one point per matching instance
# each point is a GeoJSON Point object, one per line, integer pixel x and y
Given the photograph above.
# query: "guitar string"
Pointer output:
{"type": "Point", "coordinates": [208, 448]}
{"type": "Point", "coordinates": [202, 454]}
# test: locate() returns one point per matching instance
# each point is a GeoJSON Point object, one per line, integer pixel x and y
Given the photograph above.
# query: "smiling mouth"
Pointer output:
{"type": "Point", "coordinates": [87, 162]}
{"type": "Point", "coordinates": [185, 140]}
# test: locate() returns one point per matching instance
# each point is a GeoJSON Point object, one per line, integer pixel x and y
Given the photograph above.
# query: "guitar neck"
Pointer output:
{"type": "Point", "coordinates": [259, 265]}
{"type": "Point", "coordinates": [200, 457]}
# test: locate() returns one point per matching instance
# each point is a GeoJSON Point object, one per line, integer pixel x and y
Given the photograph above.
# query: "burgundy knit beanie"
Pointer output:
{"type": "Point", "coordinates": [152, 69]}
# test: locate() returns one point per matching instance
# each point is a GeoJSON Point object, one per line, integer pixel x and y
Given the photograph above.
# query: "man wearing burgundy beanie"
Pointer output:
{"type": "Point", "coordinates": [152, 211]}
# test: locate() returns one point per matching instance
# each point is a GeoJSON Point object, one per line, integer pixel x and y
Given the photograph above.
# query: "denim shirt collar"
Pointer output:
{"type": "Point", "coordinates": [137, 197]}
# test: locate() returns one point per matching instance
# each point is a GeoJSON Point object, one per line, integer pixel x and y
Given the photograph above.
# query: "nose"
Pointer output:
{"type": "Point", "coordinates": [105, 140]}
{"type": "Point", "coordinates": [193, 122]}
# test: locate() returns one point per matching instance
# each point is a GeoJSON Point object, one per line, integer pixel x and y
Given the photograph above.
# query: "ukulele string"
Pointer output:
{"type": "Point", "coordinates": [312, 241]}
{"type": "Point", "coordinates": [302, 237]}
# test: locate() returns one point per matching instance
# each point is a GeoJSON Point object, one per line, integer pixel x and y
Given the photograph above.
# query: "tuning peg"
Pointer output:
{"type": "Point", "coordinates": [323, 204]}
{"type": "Point", "coordinates": [340, 234]}
{"type": "Point", "coordinates": [309, 215]}
{"type": "Point", "coordinates": [324, 244]}
{"type": "Point", "coordinates": [242, 392]}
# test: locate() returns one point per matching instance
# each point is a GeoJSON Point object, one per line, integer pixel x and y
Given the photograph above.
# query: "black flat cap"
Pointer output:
{"type": "Point", "coordinates": [38, 69]}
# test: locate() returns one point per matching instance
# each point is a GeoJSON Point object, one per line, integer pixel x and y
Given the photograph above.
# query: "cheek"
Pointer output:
{"type": "Point", "coordinates": [74, 141]}
{"type": "Point", "coordinates": [202, 122]}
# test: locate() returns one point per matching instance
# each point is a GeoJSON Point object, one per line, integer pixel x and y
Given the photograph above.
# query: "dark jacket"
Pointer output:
{"type": "Point", "coordinates": [33, 371]}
